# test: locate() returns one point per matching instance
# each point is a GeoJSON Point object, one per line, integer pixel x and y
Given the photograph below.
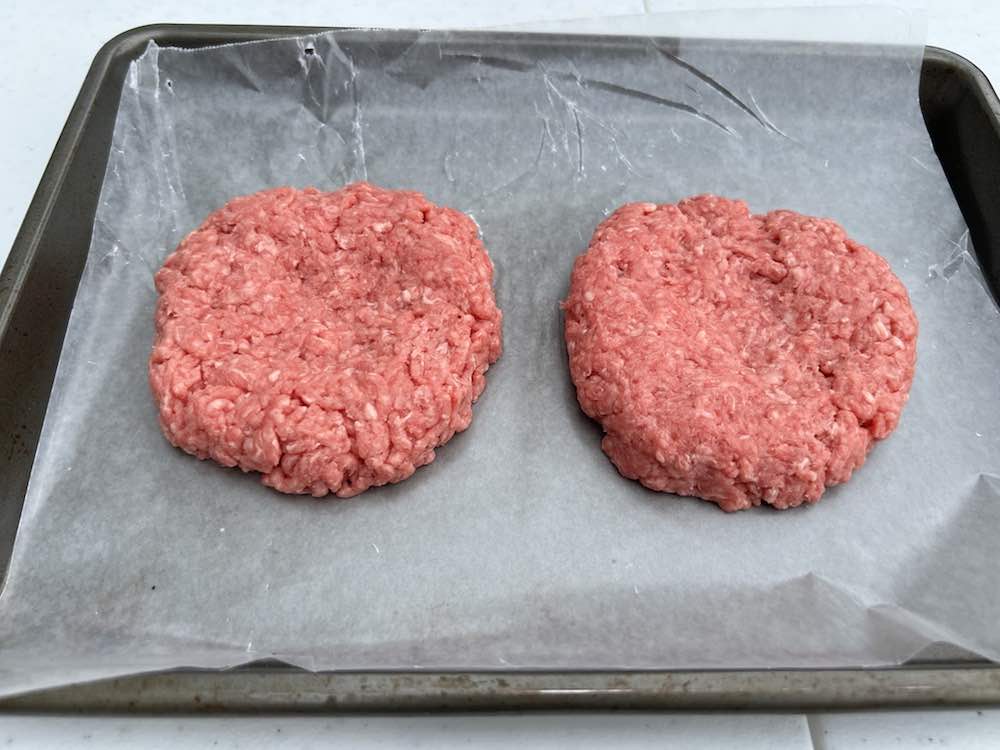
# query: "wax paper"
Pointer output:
{"type": "Point", "coordinates": [520, 546]}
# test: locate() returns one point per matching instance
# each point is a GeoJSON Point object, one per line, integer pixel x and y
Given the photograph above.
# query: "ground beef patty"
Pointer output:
{"type": "Point", "coordinates": [330, 341]}
{"type": "Point", "coordinates": [737, 358]}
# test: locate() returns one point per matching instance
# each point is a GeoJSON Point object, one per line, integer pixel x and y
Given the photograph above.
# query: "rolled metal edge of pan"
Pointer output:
{"type": "Point", "coordinates": [279, 690]}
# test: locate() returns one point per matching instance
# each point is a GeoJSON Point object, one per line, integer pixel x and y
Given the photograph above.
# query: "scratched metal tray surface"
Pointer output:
{"type": "Point", "coordinates": [36, 293]}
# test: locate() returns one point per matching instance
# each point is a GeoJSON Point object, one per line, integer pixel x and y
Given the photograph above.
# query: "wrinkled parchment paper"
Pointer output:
{"type": "Point", "coordinates": [520, 546]}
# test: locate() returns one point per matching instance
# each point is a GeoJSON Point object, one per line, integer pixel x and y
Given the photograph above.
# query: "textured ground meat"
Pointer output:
{"type": "Point", "coordinates": [737, 358]}
{"type": "Point", "coordinates": [330, 341]}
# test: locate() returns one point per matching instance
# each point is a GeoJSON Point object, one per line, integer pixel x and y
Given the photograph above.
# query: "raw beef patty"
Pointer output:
{"type": "Point", "coordinates": [737, 358]}
{"type": "Point", "coordinates": [330, 341]}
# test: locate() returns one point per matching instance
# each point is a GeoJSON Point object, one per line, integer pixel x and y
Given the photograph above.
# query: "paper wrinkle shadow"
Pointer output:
{"type": "Point", "coordinates": [520, 546]}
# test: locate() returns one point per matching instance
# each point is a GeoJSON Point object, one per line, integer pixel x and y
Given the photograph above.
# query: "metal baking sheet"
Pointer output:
{"type": "Point", "coordinates": [538, 524]}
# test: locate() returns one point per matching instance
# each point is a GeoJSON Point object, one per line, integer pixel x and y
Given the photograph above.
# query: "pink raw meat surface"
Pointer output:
{"type": "Point", "coordinates": [737, 358]}
{"type": "Point", "coordinates": [329, 341]}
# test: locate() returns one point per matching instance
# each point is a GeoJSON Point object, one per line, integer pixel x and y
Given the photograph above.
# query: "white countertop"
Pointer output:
{"type": "Point", "coordinates": [968, 729]}
{"type": "Point", "coordinates": [48, 49]}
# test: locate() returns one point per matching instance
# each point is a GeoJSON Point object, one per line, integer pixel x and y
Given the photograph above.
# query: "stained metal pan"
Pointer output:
{"type": "Point", "coordinates": [37, 289]}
